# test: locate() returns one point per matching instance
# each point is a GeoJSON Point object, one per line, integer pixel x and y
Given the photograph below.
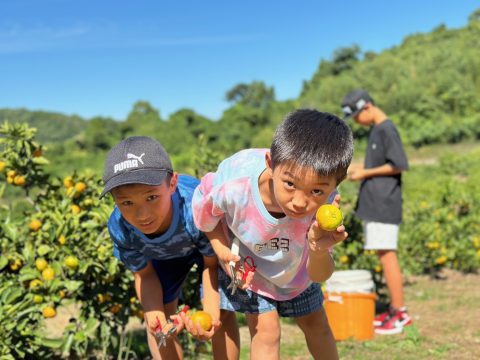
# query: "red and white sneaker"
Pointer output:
{"type": "Point", "coordinates": [380, 318]}
{"type": "Point", "coordinates": [394, 323]}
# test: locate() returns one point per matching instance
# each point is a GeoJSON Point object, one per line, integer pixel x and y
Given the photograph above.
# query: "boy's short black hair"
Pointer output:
{"type": "Point", "coordinates": [317, 140]}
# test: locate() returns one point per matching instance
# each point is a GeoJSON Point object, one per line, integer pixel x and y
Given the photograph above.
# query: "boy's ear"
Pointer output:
{"type": "Point", "coordinates": [268, 161]}
{"type": "Point", "coordinates": [173, 182]}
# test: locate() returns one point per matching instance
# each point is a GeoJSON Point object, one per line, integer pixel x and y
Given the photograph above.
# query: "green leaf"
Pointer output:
{"type": "Point", "coordinates": [43, 249]}
{"type": "Point", "coordinates": [10, 295]}
{"type": "Point", "coordinates": [28, 251]}
{"type": "Point", "coordinates": [51, 343]}
{"type": "Point", "coordinates": [27, 274]}
{"type": "Point", "coordinates": [80, 336]}
{"type": "Point", "coordinates": [40, 160]}
{"type": "Point", "coordinates": [10, 231]}
{"type": "Point", "coordinates": [112, 267]}
{"type": "Point", "coordinates": [3, 261]}
{"type": "Point", "coordinates": [90, 326]}
{"type": "Point", "coordinates": [72, 285]}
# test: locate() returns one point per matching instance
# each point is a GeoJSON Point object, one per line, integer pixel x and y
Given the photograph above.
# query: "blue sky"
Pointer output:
{"type": "Point", "coordinates": [96, 58]}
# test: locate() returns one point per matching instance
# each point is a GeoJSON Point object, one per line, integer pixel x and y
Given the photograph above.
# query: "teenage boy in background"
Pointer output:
{"type": "Point", "coordinates": [379, 202]}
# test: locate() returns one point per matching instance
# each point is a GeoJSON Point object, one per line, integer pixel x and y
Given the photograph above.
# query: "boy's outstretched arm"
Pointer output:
{"type": "Point", "coordinates": [150, 293]}
{"type": "Point", "coordinates": [360, 173]}
{"type": "Point", "coordinates": [210, 301]}
{"type": "Point", "coordinates": [320, 264]}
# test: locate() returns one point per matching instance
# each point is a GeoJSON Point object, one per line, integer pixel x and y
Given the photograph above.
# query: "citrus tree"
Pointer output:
{"type": "Point", "coordinates": [54, 252]}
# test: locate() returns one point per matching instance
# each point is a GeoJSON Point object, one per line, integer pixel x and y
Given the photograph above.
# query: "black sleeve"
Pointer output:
{"type": "Point", "coordinates": [394, 151]}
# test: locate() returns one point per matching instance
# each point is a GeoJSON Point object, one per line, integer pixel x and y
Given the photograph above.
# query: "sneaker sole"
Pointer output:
{"type": "Point", "coordinates": [389, 331]}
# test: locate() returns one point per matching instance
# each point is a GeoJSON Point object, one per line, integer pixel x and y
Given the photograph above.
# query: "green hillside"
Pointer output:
{"type": "Point", "coordinates": [429, 84]}
{"type": "Point", "coordinates": [51, 126]}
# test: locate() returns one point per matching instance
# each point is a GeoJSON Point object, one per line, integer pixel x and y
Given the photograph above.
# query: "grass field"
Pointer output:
{"type": "Point", "coordinates": [446, 325]}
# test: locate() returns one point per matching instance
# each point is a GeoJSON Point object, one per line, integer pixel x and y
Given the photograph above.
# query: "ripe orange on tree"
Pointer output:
{"type": "Point", "coordinates": [329, 217]}
{"type": "Point", "coordinates": [41, 264]}
{"type": "Point", "coordinates": [75, 209]}
{"type": "Point", "coordinates": [80, 187]}
{"type": "Point", "coordinates": [15, 264]}
{"type": "Point", "coordinates": [49, 312]}
{"type": "Point", "coordinates": [68, 182]}
{"type": "Point", "coordinates": [19, 180]}
{"type": "Point", "coordinates": [203, 318]}
{"type": "Point", "coordinates": [35, 283]}
{"type": "Point", "coordinates": [35, 225]}
{"type": "Point", "coordinates": [48, 274]}
{"type": "Point", "coordinates": [71, 262]}
{"type": "Point", "coordinates": [114, 309]}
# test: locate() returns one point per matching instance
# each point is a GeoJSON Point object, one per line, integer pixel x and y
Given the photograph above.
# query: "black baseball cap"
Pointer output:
{"type": "Point", "coordinates": [136, 160]}
{"type": "Point", "coordinates": [354, 102]}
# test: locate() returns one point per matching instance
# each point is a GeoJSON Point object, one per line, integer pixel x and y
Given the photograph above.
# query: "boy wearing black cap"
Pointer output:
{"type": "Point", "coordinates": [379, 202]}
{"type": "Point", "coordinates": [155, 237]}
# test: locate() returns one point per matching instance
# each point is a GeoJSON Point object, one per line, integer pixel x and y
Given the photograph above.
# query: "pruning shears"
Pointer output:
{"type": "Point", "coordinates": [163, 337]}
{"type": "Point", "coordinates": [245, 268]}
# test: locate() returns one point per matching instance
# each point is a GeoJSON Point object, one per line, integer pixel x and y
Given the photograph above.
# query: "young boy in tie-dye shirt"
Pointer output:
{"type": "Point", "coordinates": [267, 199]}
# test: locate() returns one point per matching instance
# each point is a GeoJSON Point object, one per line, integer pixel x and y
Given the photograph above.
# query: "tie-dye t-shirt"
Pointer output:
{"type": "Point", "coordinates": [278, 246]}
{"type": "Point", "coordinates": [182, 239]}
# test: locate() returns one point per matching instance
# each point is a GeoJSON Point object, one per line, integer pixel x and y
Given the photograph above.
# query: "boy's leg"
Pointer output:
{"type": "Point", "coordinates": [393, 277]}
{"type": "Point", "coordinates": [265, 335]}
{"type": "Point", "coordinates": [318, 335]}
{"type": "Point", "coordinates": [173, 350]}
{"type": "Point", "coordinates": [226, 342]}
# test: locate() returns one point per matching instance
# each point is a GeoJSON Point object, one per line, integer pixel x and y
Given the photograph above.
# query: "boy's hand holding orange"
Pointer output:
{"type": "Point", "coordinates": [328, 230]}
{"type": "Point", "coordinates": [201, 325]}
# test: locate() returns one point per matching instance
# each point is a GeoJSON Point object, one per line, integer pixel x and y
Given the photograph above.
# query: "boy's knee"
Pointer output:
{"type": "Point", "coordinates": [269, 332]}
{"type": "Point", "coordinates": [316, 321]}
{"type": "Point", "coordinates": [268, 337]}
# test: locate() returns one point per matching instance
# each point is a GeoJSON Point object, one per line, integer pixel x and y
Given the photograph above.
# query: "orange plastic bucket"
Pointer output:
{"type": "Point", "coordinates": [350, 315]}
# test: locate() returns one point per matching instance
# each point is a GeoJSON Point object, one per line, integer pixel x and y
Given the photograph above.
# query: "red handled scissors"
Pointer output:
{"type": "Point", "coordinates": [246, 267]}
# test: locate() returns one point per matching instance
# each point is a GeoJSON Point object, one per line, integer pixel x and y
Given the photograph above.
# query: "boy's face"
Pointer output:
{"type": "Point", "coordinates": [299, 191]}
{"type": "Point", "coordinates": [364, 117]}
{"type": "Point", "coordinates": [147, 207]}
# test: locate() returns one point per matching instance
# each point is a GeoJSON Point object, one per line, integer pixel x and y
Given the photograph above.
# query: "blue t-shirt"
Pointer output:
{"type": "Point", "coordinates": [182, 239]}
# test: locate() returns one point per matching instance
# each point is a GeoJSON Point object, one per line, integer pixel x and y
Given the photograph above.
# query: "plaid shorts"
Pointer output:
{"type": "Point", "coordinates": [246, 301]}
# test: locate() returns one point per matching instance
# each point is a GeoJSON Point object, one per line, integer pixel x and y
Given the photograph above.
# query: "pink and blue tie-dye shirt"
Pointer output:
{"type": "Point", "coordinates": [278, 246]}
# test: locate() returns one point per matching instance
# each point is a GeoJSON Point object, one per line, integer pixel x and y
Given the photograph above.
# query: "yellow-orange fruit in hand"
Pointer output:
{"type": "Point", "coordinates": [203, 318]}
{"type": "Point", "coordinates": [329, 217]}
